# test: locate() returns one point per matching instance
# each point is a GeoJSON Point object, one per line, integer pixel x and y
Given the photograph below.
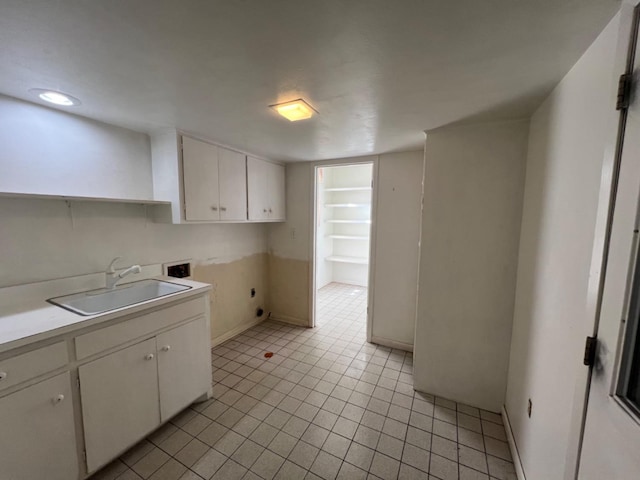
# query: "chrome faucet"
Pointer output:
{"type": "Point", "coordinates": [112, 277]}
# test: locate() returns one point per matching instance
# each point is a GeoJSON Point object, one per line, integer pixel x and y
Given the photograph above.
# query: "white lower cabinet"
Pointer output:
{"type": "Point", "coordinates": [119, 395]}
{"type": "Point", "coordinates": [134, 375]}
{"type": "Point", "coordinates": [127, 394]}
{"type": "Point", "coordinates": [183, 366]}
{"type": "Point", "coordinates": [38, 432]}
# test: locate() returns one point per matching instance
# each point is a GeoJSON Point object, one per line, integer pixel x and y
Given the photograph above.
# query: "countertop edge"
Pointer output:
{"type": "Point", "coordinates": [72, 321]}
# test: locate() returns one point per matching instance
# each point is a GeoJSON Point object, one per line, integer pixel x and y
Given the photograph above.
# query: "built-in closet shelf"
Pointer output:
{"type": "Point", "coordinates": [349, 237]}
{"type": "Point", "coordinates": [341, 259]}
{"type": "Point", "coordinates": [347, 189]}
{"type": "Point", "coordinates": [82, 199]}
{"type": "Point", "coordinates": [347, 205]}
{"type": "Point", "coordinates": [350, 221]}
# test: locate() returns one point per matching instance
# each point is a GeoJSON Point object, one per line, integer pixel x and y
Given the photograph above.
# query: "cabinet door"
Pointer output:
{"type": "Point", "coordinates": [276, 192]}
{"type": "Point", "coordinates": [119, 401]}
{"type": "Point", "coordinates": [38, 432]}
{"type": "Point", "coordinates": [232, 171]}
{"type": "Point", "coordinates": [184, 366]}
{"type": "Point", "coordinates": [200, 177]}
{"type": "Point", "coordinates": [257, 180]}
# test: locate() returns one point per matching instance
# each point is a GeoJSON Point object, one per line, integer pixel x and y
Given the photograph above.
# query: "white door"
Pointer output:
{"type": "Point", "coordinates": [200, 177]}
{"type": "Point", "coordinates": [276, 192]}
{"type": "Point", "coordinates": [232, 168]}
{"type": "Point", "coordinates": [611, 444]}
{"type": "Point", "coordinates": [183, 366]}
{"type": "Point", "coordinates": [37, 432]}
{"type": "Point", "coordinates": [119, 396]}
{"type": "Point", "coordinates": [257, 185]}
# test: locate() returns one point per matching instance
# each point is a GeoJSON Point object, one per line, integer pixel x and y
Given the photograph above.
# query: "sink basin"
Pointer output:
{"type": "Point", "coordinates": [103, 300]}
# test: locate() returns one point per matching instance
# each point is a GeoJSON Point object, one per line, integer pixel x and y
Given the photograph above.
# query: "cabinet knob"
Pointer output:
{"type": "Point", "coordinates": [3, 375]}
{"type": "Point", "coordinates": [166, 348]}
{"type": "Point", "coordinates": [58, 399]}
{"type": "Point", "coordinates": [149, 356]}
{"type": "Point", "coordinates": [214, 208]}
{"type": "Point", "coordinates": [223, 209]}
{"type": "Point", "coordinates": [264, 210]}
{"type": "Point", "coordinates": [269, 210]}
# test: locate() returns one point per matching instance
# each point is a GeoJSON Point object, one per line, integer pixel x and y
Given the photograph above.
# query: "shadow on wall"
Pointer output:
{"type": "Point", "coordinates": [233, 309]}
{"type": "Point", "coordinates": [288, 296]}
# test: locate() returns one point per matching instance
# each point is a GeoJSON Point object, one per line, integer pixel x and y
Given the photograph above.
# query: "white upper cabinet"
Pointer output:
{"type": "Point", "coordinates": [201, 180]}
{"type": "Point", "coordinates": [266, 190]}
{"type": "Point", "coordinates": [233, 185]}
{"type": "Point", "coordinates": [209, 183]}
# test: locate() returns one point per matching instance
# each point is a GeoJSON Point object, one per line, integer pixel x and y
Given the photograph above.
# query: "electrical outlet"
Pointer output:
{"type": "Point", "coordinates": [292, 233]}
{"type": "Point", "coordinates": [529, 408]}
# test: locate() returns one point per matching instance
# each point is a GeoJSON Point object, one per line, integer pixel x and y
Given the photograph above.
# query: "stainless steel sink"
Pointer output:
{"type": "Point", "coordinates": [103, 300]}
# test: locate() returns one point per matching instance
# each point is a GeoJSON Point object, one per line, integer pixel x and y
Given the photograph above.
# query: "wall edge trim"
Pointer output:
{"type": "Point", "coordinates": [511, 440]}
{"type": "Point", "coordinates": [287, 319]}
{"type": "Point", "coordinates": [236, 331]}
{"type": "Point", "coordinates": [386, 342]}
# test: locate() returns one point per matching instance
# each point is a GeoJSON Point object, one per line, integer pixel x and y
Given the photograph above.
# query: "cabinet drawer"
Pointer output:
{"type": "Point", "coordinates": [109, 337]}
{"type": "Point", "coordinates": [15, 370]}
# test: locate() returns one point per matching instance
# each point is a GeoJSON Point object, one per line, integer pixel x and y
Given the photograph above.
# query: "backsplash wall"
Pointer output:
{"type": "Point", "coordinates": [46, 239]}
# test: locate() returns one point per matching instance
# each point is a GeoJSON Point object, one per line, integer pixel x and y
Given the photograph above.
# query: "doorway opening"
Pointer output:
{"type": "Point", "coordinates": [342, 246]}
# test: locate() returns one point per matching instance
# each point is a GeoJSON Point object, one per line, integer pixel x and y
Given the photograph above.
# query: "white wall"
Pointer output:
{"type": "Point", "coordinates": [46, 239]}
{"type": "Point", "coordinates": [51, 152]}
{"type": "Point", "coordinates": [292, 239]}
{"type": "Point", "coordinates": [46, 151]}
{"type": "Point", "coordinates": [396, 248]}
{"type": "Point", "coordinates": [324, 245]}
{"type": "Point", "coordinates": [566, 150]}
{"type": "Point", "coordinates": [473, 186]}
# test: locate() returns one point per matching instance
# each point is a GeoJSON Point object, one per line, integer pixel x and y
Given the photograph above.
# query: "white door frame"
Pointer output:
{"type": "Point", "coordinates": [610, 167]}
{"type": "Point", "coordinates": [342, 162]}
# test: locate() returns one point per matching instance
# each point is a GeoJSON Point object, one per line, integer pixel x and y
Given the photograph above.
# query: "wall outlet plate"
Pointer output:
{"type": "Point", "coordinates": [178, 269]}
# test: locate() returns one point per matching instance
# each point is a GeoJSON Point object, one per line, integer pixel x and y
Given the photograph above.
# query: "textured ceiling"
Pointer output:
{"type": "Point", "coordinates": [380, 72]}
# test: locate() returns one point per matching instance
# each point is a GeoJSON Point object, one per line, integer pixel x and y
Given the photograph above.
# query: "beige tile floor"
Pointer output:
{"type": "Point", "coordinates": [326, 405]}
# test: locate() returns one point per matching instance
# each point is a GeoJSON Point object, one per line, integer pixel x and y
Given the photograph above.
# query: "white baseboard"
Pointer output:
{"type": "Point", "coordinates": [287, 319]}
{"type": "Point", "coordinates": [385, 342]}
{"type": "Point", "coordinates": [236, 331]}
{"type": "Point", "coordinates": [512, 446]}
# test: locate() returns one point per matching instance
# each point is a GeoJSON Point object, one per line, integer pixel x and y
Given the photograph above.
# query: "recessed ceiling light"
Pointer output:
{"type": "Point", "coordinates": [57, 98]}
{"type": "Point", "coordinates": [294, 110]}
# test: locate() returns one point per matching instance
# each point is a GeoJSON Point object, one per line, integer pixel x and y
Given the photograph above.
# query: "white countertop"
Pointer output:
{"type": "Point", "coordinates": [27, 317]}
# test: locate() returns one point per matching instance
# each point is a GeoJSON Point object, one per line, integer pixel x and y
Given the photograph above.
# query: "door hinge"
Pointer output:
{"type": "Point", "coordinates": [78, 383]}
{"type": "Point", "coordinates": [624, 91]}
{"type": "Point", "coordinates": [590, 348]}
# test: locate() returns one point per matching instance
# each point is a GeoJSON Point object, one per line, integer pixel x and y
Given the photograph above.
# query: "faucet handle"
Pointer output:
{"type": "Point", "coordinates": [110, 268]}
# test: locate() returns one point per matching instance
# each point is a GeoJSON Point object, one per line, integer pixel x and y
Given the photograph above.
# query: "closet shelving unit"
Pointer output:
{"type": "Point", "coordinates": [347, 213]}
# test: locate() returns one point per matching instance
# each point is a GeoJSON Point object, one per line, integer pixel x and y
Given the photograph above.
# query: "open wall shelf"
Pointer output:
{"type": "Point", "coordinates": [345, 259]}
{"type": "Point", "coordinates": [348, 237]}
{"type": "Point", "coordinates": [347, 205]}
{"type": "Point", "coordinates": [347, 189]}
{"type": "Point", "coordinates": [354, 221]}
{"type": "Point", "coordinates": [82, 199]}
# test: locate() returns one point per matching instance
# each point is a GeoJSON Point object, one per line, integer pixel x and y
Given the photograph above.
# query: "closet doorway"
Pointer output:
{"type": "Point", "coordinates": [343, 201]}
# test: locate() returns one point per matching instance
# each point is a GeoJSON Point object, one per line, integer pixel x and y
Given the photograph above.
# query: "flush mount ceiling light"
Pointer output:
{"type": "Point", "coordinates": [294, 110]}
{"type": "Point", "coordinates": [57, 98]}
